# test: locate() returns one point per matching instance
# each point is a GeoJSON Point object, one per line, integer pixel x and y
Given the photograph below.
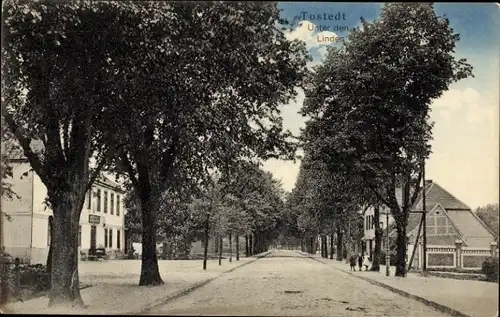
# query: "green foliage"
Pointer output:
{"type": "Point", "coordinates": [490, 269]}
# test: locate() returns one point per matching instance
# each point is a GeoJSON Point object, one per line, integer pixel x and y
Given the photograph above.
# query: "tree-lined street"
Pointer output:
{"type": "Point", "coordinates": [175, 108]}
{"type": "Point", "coordinates": [288, 283]}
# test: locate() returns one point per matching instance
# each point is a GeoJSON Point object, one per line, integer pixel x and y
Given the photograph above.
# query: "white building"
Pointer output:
{"type": "Point", "coordinates": [369, 228]}
{"type": "Point", "coordinates": [27, 235]}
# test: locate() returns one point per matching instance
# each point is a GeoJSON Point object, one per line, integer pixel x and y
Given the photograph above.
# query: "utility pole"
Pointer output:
{"type": "Point", "coordinates": [424, 242]}
{"type": "Point", "coordinates": [387, 247]}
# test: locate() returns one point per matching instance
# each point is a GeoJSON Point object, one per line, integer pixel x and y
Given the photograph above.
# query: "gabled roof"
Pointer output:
{"type": "Point", "coordinates": [436, 194]}
{"type": "Point", "coordinates": [469, 228]}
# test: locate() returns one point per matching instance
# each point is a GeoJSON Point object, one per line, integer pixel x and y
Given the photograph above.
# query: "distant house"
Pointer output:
{"type": "Point", "coordinates": [456, 237]}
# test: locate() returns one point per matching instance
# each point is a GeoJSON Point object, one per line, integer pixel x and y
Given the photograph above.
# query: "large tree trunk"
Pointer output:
{"type": "Point", "coordinates": [230, 249]}
{"type": "Point", "coordinates": [150, 273]}
{"type": "Point", "coordinates": [237, 247]}
{"type": "Point", "coordinates": [340, 251]}
{"type": "Point", "coordinates": [401, 249]}
{"type": "Point", "coordinates": [65, 290]}
{"type": "Point", "coordinates": [205, 251]}
{"type": "Point", "coordinates": [378, 240]}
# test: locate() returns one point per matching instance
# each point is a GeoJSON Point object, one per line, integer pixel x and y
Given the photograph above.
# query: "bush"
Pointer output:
{"type": "Point", "coordinates": [34, 277]}
{"type": "Point", "coordinates": [490, 269]}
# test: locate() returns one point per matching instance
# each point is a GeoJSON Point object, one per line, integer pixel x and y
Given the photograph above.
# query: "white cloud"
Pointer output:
{"type": "Point", "coordinates": [305, 31]}
{"type": "Point", "coordinates": [468, 102]}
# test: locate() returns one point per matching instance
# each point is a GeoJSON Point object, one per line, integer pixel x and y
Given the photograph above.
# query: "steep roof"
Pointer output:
{"type": "Point", "coordinates": [436, 194]}
{"type": "Point", "coordinates": [474, 232]}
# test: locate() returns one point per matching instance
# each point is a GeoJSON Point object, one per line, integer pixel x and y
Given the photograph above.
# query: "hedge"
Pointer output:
{"type": "Point", "coordinates": [490, 269]}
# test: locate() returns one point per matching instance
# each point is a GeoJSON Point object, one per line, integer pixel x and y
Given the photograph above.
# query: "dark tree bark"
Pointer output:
{"type": "Point", "coordinates": [164, 251]}
{"type": "Point", "coordinates": [150, 273]}
{"type": "Point", "coordinates": [216, 246]}
{"type": "Point", "coordinates": [230, 249]}
{"type": "Point", "coordinates": [326, 247]}
{"type": "Point", "coordinates": [48, 268]}
{"type": "Point", "coordinates": [331, 246]}
{"type": "Point", "coordinates": [250, 245]}
{"type": "Point", "coordinates": [378, 240]}
{"type": "Point", "coordinates": [339, 243]}
{"type": "Point", "coordinates": [64, 274]}
{"type": "Point", "coordinates": [205, 251]}
{"type": "Point", "coordinates": [401, 249]}
{"type": "Point", "coordinates": [246, 246]}
{"type": "Point", "coordinates": [255, 248]}
{"type": "Point", "coordinates": [237, 247]}
{"type": "Point", "coordinates": [220, 251]}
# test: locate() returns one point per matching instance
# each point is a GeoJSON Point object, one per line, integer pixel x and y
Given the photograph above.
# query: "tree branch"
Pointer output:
{"type": "Point", "coordinates": [130, 170]}
{"type": "Point", "coordinates": [168, 158]}
{"type": "Point", "coordinates": [34, 160]}
{"type": "Point", "coordinates": [95, 174]}
{"type": "Point", "coordinates": [417, 190]}
{"type": "Point", "coordinates": [375, 191]}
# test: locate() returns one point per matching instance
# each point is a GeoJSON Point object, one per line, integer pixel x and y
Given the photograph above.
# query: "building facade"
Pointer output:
{"type": "Point", "coordinates": [456, 237]}
{"type": "Point", "coordinates": [27, 234]}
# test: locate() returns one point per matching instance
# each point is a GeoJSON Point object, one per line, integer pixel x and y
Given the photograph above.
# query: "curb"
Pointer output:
{"type": "Point", "coordinates": [192, 288]}
{"type": "Point", "coordinates": [437, 306]}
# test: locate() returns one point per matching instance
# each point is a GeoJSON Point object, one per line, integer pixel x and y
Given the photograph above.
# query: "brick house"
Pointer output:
{"type": "Point", "coordinates": [456, 237]}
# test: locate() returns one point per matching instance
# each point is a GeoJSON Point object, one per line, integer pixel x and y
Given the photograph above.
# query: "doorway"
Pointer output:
{"type": "Point", "coordinates": [92, 238]}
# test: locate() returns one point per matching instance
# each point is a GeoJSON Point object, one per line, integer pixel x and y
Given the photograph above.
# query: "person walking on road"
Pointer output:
{"type": "Point", "coordinates": [360, 261]}
{"type": "Point", "coordinates": [366, 262]}
{"type": "Point", "coordinates": [352, 262]}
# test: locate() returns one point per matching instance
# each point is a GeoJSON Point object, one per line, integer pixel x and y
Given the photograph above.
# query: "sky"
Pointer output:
{"type": "Point", "coordinates": [465, 146]}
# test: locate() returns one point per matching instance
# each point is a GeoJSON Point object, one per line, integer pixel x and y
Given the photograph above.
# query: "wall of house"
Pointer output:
{"type": "Point", "coordinates": [30, 217]}
{"type": "Point", "coordinates": [22, 185]}
{"type": "Point", "coordinates": [369, 227]}
{"type": "Point", "coordinates": [16, 233]}
{"type": "Point", "coordinates": [104, 203]}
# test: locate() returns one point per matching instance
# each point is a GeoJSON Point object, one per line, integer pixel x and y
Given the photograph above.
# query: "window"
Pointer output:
{"type": "Point", "coordinates": [118, 239]}
{"type": "Point", "coordinates": [117, 205]}
{"type": "Point", "coordinates": [79, 236]}
{"type": "Point", "coordinates": [112, 203]}
{"type": "Point", "coordinates": [371, 222]}
{"type": "Point", "coordinates": [431, 225]}
{"type": "Point", "coordinates": [110, 240]}
{"type": "Point", "coordinates": [441, 230]}
{"type": "Point", "coordinates": [98, 200]}
{"type": "Point", "coordinates": [441, 221]}
{"type": "Point", "coordinates": [105, 237]}
{"type": "Point", "coordinates": [105, 202]}
{"type": "Point", "coordinates": [89, 200]}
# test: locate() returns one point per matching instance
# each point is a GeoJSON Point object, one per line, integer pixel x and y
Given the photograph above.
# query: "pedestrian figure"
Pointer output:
{"type": "Point", "coordinates": [360, 261]}
{"type": "Point", "coordinates": [352, 262]}
{"type": "Point", "coordinates": [366, 262]}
